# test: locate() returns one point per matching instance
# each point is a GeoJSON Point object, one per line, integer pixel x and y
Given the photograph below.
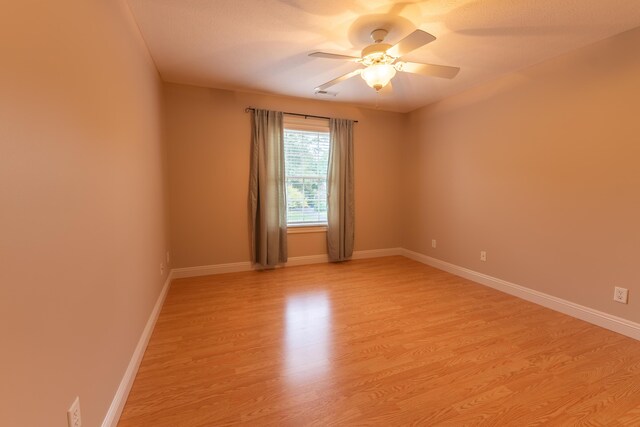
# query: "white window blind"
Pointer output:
{"type": "Point", "coordinates": [306, 150]}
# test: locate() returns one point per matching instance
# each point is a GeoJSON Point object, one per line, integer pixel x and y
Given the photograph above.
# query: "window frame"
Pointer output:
{"type": "Point", "coordinates": [306, 124]}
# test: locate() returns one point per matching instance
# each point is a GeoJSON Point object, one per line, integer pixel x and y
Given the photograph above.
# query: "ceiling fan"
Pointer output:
{"type": "Point", "coordinates": [381, 61]}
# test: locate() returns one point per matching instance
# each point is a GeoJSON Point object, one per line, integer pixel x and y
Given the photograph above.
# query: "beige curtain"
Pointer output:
{"type": "Point", "coordinates": [267, 195]}
{"type": "Point", "coordinates": [340, 209]}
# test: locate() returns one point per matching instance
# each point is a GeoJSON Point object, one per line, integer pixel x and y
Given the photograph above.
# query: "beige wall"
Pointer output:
{"type": "Point", "coordinates": [82, 228]}
{"type": "Point", "coordinates": [541, 170]}
{"type": "Point", "coordinates": [209, 137]}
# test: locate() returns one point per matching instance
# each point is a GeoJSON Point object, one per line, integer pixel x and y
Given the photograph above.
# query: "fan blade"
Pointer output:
{"type": "Point", "coordinates": [338, 80]}
{"type": "Point", "coordinates": [410, 43]}
{"type": "Point", "coordinates": [332, 56]}
{"type": "Point", "coordinates": [431, 70]}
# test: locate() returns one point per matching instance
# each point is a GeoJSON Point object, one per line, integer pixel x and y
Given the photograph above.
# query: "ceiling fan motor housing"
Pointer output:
{"type": "Point", "coordinates": [375, 51]}
{"type": "Point", "coordinates": [378, 35]}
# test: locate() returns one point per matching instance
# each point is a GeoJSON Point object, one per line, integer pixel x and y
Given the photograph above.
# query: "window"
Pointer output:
{"type": "Point", "coordinates": [306, 157]}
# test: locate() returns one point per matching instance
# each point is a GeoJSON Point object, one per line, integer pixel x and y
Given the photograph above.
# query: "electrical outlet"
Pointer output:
{"type": "Point", "coordinates": [483, 255]}
{"type": "Point", "coordinates": [161, 268]}
{"type": "Point", "coordinates": [168, 258]}
{"type": "Point", "coordinates": [433, 243]}
{"type": "Point", "coordinates": [620, 295]}
{"type": "Point", "coordinates": [73, 414]}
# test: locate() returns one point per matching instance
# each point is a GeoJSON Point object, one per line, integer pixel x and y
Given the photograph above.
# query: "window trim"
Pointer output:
{"type": "Point", "coordinates": [306, 124]}
{"type": "Point", "coordinates": [307, 228]}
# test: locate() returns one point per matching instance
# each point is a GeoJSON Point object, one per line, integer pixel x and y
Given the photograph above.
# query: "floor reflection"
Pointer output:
{"type": "Point", "coordinates": [307, 336]}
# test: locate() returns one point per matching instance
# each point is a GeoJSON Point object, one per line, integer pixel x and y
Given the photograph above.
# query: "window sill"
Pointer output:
{"type": "Point", "coordinates": [312, 228]}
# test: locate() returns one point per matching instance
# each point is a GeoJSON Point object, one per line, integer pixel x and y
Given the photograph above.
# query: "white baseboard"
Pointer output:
{"type": "Point", "coordinates": [206, 270]}
{"type": "Point", "coordinates": [304, 260]}
{"type": "Point", "coordinates": [596, 317]}
{"type": "Point", "coordinates": [119, 400]}
{"type": "Point", "coordinates": [377, 253]}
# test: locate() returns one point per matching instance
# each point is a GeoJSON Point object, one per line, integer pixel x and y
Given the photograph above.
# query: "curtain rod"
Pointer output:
{"type": "Point", "coordinates": [246, 110]}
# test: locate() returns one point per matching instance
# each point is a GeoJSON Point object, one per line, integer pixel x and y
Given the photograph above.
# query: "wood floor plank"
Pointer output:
{"type": "Point", "coordinates": [384, 341]}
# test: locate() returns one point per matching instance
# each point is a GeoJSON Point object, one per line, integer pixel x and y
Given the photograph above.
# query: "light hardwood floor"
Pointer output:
{"type": "Point", "coordinates": [384, 341]}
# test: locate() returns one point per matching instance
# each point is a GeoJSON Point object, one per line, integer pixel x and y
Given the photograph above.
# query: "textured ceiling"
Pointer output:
{"type": "Point", "coordinates": [263, 45]}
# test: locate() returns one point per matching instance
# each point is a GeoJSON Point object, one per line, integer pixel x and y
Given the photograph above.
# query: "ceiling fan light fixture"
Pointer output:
{"type": "Point", "coordinates": [378, 76]}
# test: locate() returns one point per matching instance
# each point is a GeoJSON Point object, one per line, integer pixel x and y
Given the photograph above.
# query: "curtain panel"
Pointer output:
{"type": "Point", "coordinates": [340, 203]}
{"type": "Point", "coordinates": [267, 195]}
